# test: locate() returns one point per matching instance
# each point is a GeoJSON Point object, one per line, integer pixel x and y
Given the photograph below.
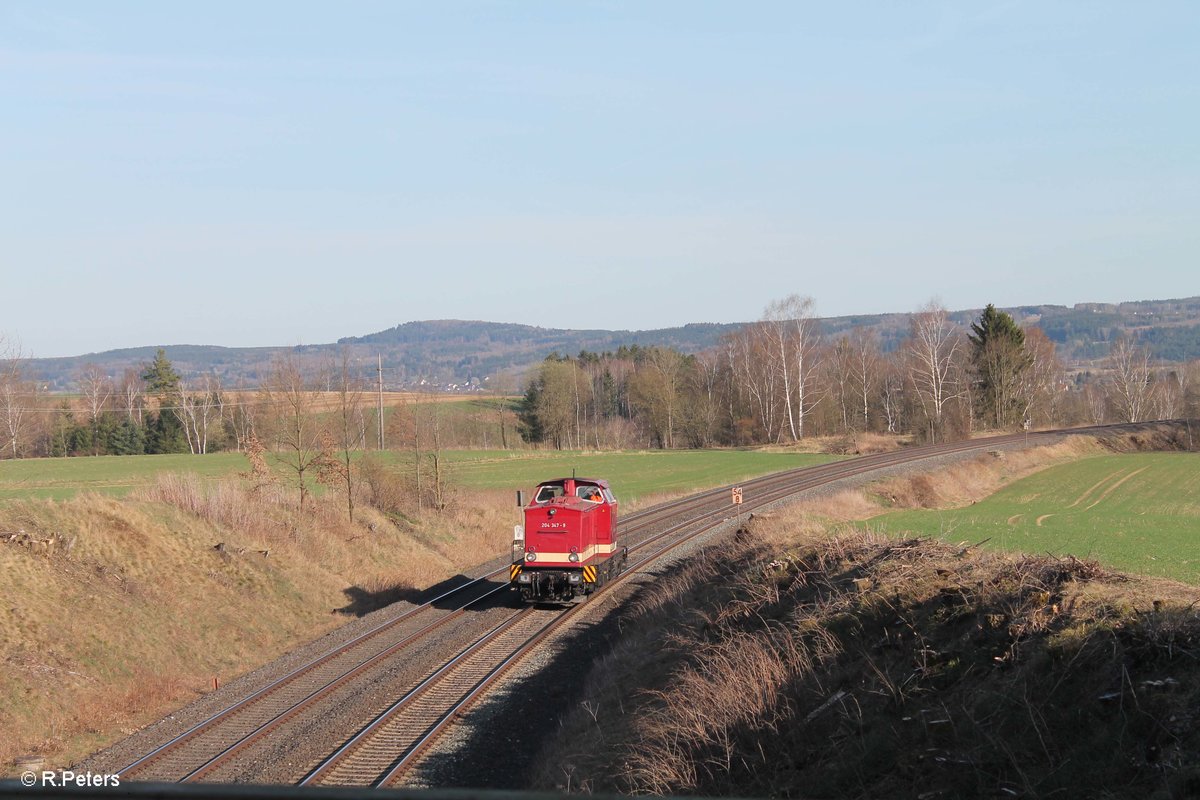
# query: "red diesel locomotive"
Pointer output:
{"type": "Point", "coordinates": [568, 546]}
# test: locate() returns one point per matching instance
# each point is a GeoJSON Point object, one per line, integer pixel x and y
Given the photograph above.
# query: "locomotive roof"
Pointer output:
{"type": "Point", "coordinates": [598, 481]}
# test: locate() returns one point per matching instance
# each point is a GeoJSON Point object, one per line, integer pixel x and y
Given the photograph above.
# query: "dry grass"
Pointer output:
{"type": "Point", "coordinates": [799, 665]}
{"type": "Point", "coordinates": [118, 610]}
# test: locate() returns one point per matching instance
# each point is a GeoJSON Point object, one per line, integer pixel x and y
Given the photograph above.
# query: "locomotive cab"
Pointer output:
{"type": "Point", "coordinates": [569, 543]}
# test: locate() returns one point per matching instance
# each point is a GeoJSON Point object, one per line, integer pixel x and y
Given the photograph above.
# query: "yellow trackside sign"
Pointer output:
{"type": "Point", "coordinates": [589, 574]}
{"type": "Point", "coordinates": [514, 571]}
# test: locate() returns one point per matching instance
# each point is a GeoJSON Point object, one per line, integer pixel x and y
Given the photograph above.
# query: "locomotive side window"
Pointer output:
{"type": "Point", "coordinates": [608, 495]}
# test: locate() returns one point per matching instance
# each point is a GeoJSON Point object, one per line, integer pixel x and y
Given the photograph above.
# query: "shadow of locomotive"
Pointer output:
{"type": "Point", "coordinates": [363, 601]}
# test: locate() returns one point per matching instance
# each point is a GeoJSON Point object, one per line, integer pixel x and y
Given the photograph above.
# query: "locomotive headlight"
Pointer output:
{"type": "Point", "coordinates": [531, 556]}
{"type": "Point", "coordinates": [523, 578]}
{"type": "Point", "coordinates": [574, 557]}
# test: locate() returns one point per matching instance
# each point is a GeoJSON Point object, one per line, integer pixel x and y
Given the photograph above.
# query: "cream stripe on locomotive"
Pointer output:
{"type": "Point", "coordinates": [594, 550]}
{"type": "Point", "coordinates": [564, 557]}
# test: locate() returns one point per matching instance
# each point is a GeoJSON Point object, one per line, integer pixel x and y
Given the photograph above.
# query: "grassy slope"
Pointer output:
{"type": "Point", "coordinates": [634, 474]}
{"type": "Point", "coordinates": [1137, 511]}
{"type": "Point", "coordinates": [118, 609]}
{"type": "Point", "coordinates": [791, 664]}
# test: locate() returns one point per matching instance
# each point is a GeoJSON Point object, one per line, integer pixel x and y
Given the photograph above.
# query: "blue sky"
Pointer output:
{"type": "Point", "coordinates": [283, 173]}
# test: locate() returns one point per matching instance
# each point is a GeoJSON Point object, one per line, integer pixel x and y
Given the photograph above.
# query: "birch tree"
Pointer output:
{"type": "Point", "coordinates": [840, 365]}
{"type": "Point", "coordinates": [864, 371]}
{"type": "Point", "coordinates": [132, 391]}
{"type": "Point", "coordinates": [932, 350]}
{"type": "Point", "coordinates": [791, 329]}
{"type": "Point", "coordinates": [1130, 380]}
{"type": "Point", "coordinates": [197, 406]}
{"type": "Point", "coordinates": [96, 388]}
{"type": "Point", "coordinates": [18, 398]}
{"type": "Point", "coordinates": [891, 395]}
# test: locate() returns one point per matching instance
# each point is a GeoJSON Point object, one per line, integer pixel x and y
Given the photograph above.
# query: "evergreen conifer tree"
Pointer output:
{"type": "Point", "coordinates": [164, 432]}
{"type": "Point", "coordinates": [999, 358]}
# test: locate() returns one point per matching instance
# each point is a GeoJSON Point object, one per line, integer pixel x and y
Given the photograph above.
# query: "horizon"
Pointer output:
{"type": "Point", "coordinates": [952, 311]}
{"type": "Point", "coordinates": [250, 176]}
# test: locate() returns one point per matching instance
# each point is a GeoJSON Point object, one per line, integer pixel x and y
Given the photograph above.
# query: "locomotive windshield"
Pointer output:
{"type": "Point", "coordinates": [547, 493]}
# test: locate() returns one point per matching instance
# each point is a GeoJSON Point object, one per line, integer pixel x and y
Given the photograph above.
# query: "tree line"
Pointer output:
{"type": "Point", "coordinates": [778, 380]}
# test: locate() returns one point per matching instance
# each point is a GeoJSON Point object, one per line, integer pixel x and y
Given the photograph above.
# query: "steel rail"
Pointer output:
{"type": "Point", "coordinates": [409, 757]}
{"type": "Point", "coordinates": [777, 486]}
{"type": "Point", "coordinates": [643, 518]}
{"type": "Point", "coordinates": [290, 712]}
{"type": "Point", "coordinates": [815, 475]}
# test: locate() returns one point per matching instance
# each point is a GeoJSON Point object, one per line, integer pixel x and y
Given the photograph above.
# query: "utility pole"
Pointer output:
{"type": "Point", "coordinates": [380, 371]}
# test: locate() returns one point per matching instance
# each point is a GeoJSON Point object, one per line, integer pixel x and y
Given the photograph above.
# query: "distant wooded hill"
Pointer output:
{"type": "Point", "coordinates": [458, 355]}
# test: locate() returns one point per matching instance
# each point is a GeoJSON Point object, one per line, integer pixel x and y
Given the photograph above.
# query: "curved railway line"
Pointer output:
{"type": "Point", "coordinates": [381, 751]}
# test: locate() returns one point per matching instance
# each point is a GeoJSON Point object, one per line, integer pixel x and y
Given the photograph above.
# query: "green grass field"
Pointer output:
{"type": "Point", "coordinates": [60, 478]}
{"type": "Point", "coordinates": [632, 474]}
{"type": "Point", "coordinates": [1137, 512]}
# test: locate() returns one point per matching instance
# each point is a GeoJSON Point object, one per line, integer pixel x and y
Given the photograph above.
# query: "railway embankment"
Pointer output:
{"type": "Point", "coordinates": [117, 611]}
{"type": "Point", "coordinates": [810, 657]}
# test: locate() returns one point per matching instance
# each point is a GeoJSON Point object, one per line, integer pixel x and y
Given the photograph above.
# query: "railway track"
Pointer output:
{"type": "Point", "coordinates": [203, 750]}
{"type": "Point", "coordinates": [380, 752]}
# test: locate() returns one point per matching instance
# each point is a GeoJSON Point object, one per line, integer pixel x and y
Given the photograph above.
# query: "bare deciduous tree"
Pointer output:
{"type": "Point", "coordinates": [351, 433]}
{"type": "Point", "coordinates": [864, 370]}
{"type": "Point", "coordinates": [196, 408]}
{"type": "Point", "coordinates": [18, 397]}
{"type": "Point", "coordinates": [1039, 389]}
{"type": "Point", "coordinates": [932, 350]}
{"type": "Point", "coordinates": [840, 366]}
{"type": "Point", "coordinates": [791, 328]}
{"type": "Point", "coordinates": [1131, 379]}
{"type": "Point", "coordinates": [891, 395]}
{"type": "Point", "coordinates": [132, 391]}
{"type": "Point", "coordinates": [96, 388]}
{"type": "Point", "coordinates": [291, 399]}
